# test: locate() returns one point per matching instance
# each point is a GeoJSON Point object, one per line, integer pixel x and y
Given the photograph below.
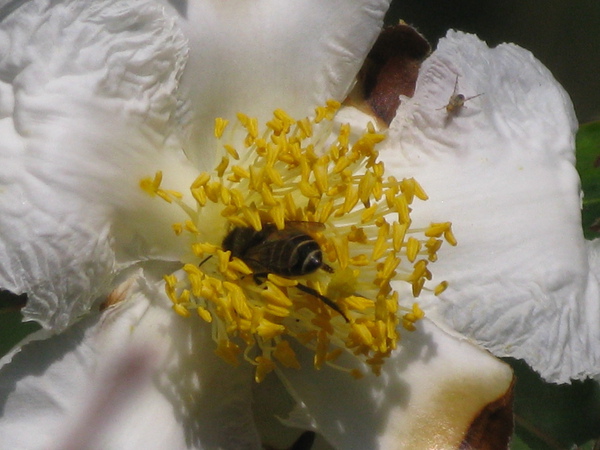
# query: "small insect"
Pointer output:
{"type": "Point", "coordinates": [289, 252]}
{"type": "Point", "coordinates": [457, 101]}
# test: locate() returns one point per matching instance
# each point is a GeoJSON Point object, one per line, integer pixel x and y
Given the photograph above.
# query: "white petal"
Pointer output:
{"type": "Point", "coordinates": [256, 56]}
{"type": "Point", "coordinates": [138, 376]}
{"type": "Point", "coordinates": [429, 392]}
{"type": "Point", "coordinates": [86, 104]}
{"type": "Point", "coordinates": [501, 170]}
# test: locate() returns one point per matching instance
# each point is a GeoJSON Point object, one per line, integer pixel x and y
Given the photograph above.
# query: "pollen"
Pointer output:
{"type": "Point", "coordinates": [276, 191]}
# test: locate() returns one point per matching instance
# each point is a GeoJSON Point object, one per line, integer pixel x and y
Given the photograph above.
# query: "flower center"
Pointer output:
{"type": "Point", "coordinates": [296, 242]}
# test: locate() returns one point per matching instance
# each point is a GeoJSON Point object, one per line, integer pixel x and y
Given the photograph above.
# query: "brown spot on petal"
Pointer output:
{"type": "Point", "coordinates": [390, 70]}
{"type": "Point", "coordinates": [493, 426]}
{"type": "Point", "coordinates": [452, 411]}
{"type": "Point", "coordinates": [118, 294]}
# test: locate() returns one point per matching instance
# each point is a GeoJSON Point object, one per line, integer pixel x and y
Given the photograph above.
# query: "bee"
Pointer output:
{"type": "Point", "coordinates": [457, 101]}
{"type": "Point", "coordinates": [290, 252]}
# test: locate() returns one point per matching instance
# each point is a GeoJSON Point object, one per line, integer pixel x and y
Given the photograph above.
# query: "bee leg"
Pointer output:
{"type": "Point", "coordinates": [204, 260]}
{"type": "Point", "coordinates": [324, 299]}
{"type": "Point", "coordinates": [327, 268]}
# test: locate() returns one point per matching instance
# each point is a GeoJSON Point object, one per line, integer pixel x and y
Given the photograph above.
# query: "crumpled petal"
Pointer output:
{"type": "Point", "coordinates": [501, 169]}
{"type": "Point", "coordinates": [87, 95]}
{"type": "Point", "coordinates": [256, 56]}
{"type": "Point", "coordinates": [430, 391]}
{"type": "Point", "coordinates": [136, 376]}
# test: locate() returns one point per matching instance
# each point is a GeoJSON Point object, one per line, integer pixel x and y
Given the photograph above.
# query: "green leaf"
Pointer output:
{"type": "Point", "coordinates": [12, 327]}
{"type": "Point", "coordinates": [554, 416]}
{"type": "Point", "coordinates": [12, 330]}
{"type": "Point", "coordinates": [588, 166]}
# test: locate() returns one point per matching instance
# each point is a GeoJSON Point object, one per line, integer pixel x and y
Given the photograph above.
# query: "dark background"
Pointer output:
{"type": "Point", "coordinates": [563, 34]}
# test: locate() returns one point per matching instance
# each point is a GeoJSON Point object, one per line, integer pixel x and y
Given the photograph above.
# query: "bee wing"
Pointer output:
{"type": "Point", "coordinates": [261, 257]}
{"type": "Point", "coordinates": [277, 253]}
{"type": "Point", "coordinates": [305, 226]}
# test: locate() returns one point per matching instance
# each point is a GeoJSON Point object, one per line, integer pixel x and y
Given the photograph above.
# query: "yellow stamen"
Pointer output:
{"type": "Point", "coordinates": [204, 314]}
{"type": "Point", "coordinates": [288, 189]}
{"type": "Point", "coordinates": [413, 247]}
{"type": "Point", "coordinates": [228, 351]}
{"type": "Point", "coordinates": [285, 355]}
{"type": "Point", "coordinates": [263, 368]}
{"type": "Point", "coordinates": [182, 310]}
{"type": "Point", "coordinates": [441, 288]}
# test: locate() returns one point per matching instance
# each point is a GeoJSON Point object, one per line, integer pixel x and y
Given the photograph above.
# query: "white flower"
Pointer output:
{"type": "Point", "coordinates": [94, 98]}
